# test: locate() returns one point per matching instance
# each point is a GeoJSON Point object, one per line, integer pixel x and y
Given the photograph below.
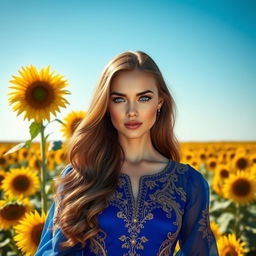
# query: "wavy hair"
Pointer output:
{"type": "Point", "coordinates": [96, 155]}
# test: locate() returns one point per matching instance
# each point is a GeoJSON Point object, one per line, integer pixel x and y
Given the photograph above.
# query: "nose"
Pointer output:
{"type": "Point", "coordinates": [132, 111]}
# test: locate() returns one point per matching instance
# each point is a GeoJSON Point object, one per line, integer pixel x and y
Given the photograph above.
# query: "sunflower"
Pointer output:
{"type": "Point", "coordinates": [221, 173]}
{"type": "Point", "coordinates": [2, 176]}
{"type": "Point", "coordinates": [20, 181]}
{"type": "Point", "coordinates": [71, 121]}
{"type": "Point", "coordinates": [12, 210]}
{"type": "Point", "coordinates": [24, 154]}
{"type": "Point", "coordinates": [216, 230]}
{"type": "Point", "coordinates": [211, 163]}
{"type": "Point", "coordinates": [29, 232]}
{"type": "Point", "coordinates": [240, 187]}
{"type": "Point", "coordinates": [38, 93]}
{"type": "Point", "coordinates": [241, 162]}
{"type": "Point", "coordinates": [231, 246]}
{"type": "Point", "coordinates": [61, 156]}
{"type": "Point", "coordinates": [253, 158]}
{"type": "Point", "coordinates": [3, 161]}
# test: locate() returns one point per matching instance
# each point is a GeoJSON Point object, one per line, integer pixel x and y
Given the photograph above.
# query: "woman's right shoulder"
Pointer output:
{"type": "Point", "coordinates": [67, 169]}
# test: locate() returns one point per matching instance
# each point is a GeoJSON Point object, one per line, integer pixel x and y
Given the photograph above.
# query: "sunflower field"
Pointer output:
{"type": "Point", "coordinates": [28, 169]}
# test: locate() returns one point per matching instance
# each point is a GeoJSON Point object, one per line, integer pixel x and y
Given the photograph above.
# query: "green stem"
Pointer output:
{"type": "Point", "coordinates": [237, 220]}
{"type": "Point", "coordinates": [12, 244]}
{"type": "Point", "coordinates": [43, 169]}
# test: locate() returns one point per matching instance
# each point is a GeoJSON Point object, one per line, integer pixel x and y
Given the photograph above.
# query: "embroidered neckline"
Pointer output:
{"type": "Point", "coordinates": [136, 202]}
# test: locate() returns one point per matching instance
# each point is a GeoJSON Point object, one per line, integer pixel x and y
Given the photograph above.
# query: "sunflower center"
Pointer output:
{"type": "Point", "coordinates": [224, 173]}
{"type": "Point", "coordinates": [74, 124]}
{"type": "Point", "coordinates": [242, 187]}
{"type": "Point", "coordinates": [229, 251]}
{"type": "Point", "coordinates": [212, 164]}
{"type": "Point", "coordinates": [36, 233]}
{"type": "Point", "coordinates": [25, 154]}
{"type": "Point", "coordinates": [2, 160]}
{"type": "Point", "coordinates": [1, 179]}
{"type": "Point", "coordinates": [203, 156]}
{"type": "Point", "coordinates": [21, 183]}
{"type": "Point", "coordinates": [12, 212]}
{"type": "Point", "coordinates": [39, 95]}
{"type": "Point", "coordinates": [241, 163]}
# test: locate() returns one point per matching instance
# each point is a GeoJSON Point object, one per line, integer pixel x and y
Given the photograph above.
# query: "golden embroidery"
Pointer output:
{"type": "Point", "coordinates": [136, 213]}
{"type": "Point", "coordinates": [205, 225]}
{"type": "Point", "coordinates": [166, 246]}
{"type": "Point", "coordinates": [97, 244]}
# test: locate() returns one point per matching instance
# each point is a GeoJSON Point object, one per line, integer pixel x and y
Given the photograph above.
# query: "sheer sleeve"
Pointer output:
{"type": "Point", "coordinates": [49, 241]}
{"type": "Point", "coordinates": [196, 237]}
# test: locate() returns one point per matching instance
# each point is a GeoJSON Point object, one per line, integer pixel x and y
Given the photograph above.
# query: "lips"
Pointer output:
{"type": "Point", "coordinates": [132, 123]}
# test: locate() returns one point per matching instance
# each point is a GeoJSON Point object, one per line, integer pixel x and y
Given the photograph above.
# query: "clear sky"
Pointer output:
{"type": "Point", "coordinates": [206, 51]}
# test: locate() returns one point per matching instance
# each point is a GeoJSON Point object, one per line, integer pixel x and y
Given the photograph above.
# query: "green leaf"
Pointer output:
{"type": "Point", "coordinates": [28, 143]}
{"type": "Point", "coordinates": [58, 120]}
{"type": "Point", "coordinates": [34, 130]}
{"type": "Point", "coordinates": [5, 242]}
{"type": "Point", "coordinates": [15, 148]}
{"type": "Point", "coordinates": [224, 221]}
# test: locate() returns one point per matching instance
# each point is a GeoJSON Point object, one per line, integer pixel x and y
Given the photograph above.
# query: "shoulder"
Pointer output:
{"type": "Point", "coordinates": [67, 169]}
{"type": "Point", "coordinates": [189, 176]}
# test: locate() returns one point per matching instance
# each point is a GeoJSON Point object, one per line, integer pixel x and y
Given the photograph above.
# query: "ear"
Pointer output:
{"type": "Point", "coordinates": [160, 102]}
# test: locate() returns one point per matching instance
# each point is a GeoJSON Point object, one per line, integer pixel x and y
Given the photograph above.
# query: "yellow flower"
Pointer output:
{"type": "Point", "coordinates": [241, 162]}
{"type": "Point", "coordinates": [38, 93]}
{"type": "Point", "coordinates": [177, 247]}
{"type": "Point", "coordinates": [221, 173]}
{"type": "Point", "coordinates": [3, 161]}
{"type": "Point", "coordinates": [29, 232]}
{"type": "Point", "coordinates": [20, 181]}
{"type": "Point", "coordinates": [35, 163]}
{"type": "Point", "coordinates": [2, 176]}
{"type": "Point", "coordinates": [12, 210]}
{"type": "Point", "coordinates": [211, 163]}
{"type": "Point", "coordinates": [240, 187]}
{"type": "Point", "coordinates": [61, 156]}
{"type": "Point", "coordinates": [24, 154]}
{"type": "Point", "coordinates": [71, 121]}
{"type": "Point", "coordinates": [230, 246]}
{"type": "Point", "coordinates": [216, 230]}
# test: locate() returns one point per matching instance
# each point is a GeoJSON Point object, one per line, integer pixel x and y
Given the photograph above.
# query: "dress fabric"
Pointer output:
{"type": "Point", "coordinates": [172, 205]}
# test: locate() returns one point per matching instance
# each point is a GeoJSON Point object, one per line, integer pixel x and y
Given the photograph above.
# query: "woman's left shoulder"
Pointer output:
{"type": "Point", "coordinates": [189, 174]}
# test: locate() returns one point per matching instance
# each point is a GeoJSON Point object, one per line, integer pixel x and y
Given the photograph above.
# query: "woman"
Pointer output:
{"type": "Point", "coordinates": [124, 191]}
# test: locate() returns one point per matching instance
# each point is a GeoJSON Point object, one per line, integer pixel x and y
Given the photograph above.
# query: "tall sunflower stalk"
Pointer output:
{"type": "Point", "coordinates": [38, 94]}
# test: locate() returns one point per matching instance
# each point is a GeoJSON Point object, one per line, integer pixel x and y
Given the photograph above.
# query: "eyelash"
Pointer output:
{"type": "Point", "coordinates": [149, 98]}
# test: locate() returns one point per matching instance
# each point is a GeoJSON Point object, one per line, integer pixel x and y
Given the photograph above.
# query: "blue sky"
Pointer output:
{"type": "Point", "coordinates": [206, 51]}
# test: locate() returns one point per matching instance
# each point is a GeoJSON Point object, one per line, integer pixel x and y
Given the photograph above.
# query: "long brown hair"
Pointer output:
{"type": "Point", "coordinates": [96, 155]}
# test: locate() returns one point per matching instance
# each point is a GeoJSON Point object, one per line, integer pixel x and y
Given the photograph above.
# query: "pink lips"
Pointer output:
{"type": "Point", "coordinates": [133, 124]}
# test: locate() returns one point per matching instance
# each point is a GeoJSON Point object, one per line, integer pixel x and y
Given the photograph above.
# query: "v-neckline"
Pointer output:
{"type": "Point", "coordinates": [136, 201]}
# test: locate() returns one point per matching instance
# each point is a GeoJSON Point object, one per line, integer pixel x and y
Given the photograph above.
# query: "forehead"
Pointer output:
{"type": "Point", "coordinates": [134, 80]}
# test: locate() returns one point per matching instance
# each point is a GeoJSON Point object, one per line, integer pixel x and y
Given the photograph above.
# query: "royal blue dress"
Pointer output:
{"type": "Point", "coordinates": [172, 205]}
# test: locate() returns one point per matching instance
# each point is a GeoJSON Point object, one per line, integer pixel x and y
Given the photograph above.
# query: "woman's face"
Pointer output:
{"type": "Point", "coordinates": [133, 97]}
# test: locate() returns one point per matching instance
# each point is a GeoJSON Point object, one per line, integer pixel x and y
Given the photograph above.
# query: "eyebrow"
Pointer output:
{"type": "Point", "coordinates": [138, 94]}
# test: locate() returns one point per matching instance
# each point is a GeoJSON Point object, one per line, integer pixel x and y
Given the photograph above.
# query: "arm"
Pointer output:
{"type": "Point", "coordinates": [196, 237]}
{"type": "Point", "coordinates": [49, 242]}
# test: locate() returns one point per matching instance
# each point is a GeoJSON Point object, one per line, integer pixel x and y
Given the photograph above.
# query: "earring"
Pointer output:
{"type": "Point", "coordinates": [158, 112]}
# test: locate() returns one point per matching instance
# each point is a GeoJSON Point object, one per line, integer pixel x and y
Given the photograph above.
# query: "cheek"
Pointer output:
{"type": "Point", "coordinates": [115, 115]}
{"type": "Point", "coordinates": [150, 115]}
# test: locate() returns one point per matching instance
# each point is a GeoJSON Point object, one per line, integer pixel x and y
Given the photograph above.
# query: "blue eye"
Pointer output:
{"type": "Point", "coordinates": [145, 98]}
{"type": "Point", "coordinates": [116, 100]}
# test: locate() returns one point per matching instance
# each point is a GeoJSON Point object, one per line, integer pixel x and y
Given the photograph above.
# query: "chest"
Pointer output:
{"type": "Point", "coordinates": [135, 173]}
